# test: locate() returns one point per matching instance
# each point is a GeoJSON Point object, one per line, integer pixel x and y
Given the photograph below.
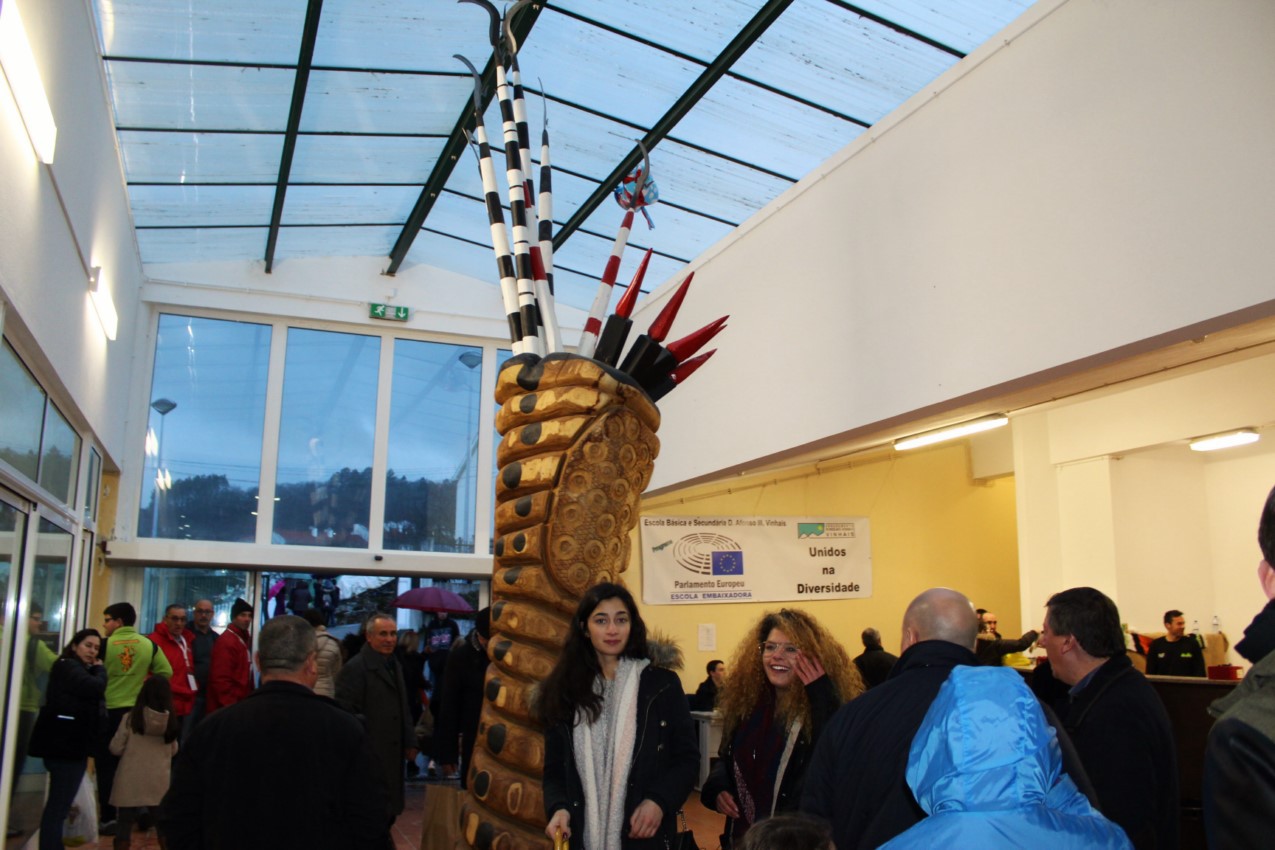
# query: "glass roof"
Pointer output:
{"type": "Point", "coordinates": [735, 99]}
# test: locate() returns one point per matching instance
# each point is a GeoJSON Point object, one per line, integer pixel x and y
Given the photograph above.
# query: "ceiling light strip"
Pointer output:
{"type": "Point", "coordinates": [1226, 440]}
{"type": "Point", "coordinates": [964, 429]}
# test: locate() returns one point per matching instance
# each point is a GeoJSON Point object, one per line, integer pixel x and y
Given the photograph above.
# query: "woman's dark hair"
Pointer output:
{"type": "Point", "coordinates": [157, 695]}
{"type": "Point", "coordinates": [569, 687]}
{"type": "Point", "coordinates": [1266, 529]}
{"type": "Point", "coordinates": [68, 651]}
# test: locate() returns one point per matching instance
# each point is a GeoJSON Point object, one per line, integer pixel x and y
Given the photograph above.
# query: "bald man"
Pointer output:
{"type": "Point", "coordinates": [856, 780]}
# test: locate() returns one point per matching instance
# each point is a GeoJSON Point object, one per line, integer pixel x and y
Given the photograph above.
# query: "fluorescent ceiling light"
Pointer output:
{"type": "Point", "coordinates": [985, 423]}
{"type": "Point", "coordinates": [24, 80]}
{"type": "Point", "coordinates": [102, 304]}
{"type": "Point", "coordinates": [1242, 437]}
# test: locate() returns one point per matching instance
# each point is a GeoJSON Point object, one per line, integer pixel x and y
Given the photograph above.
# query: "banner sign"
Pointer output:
{"type": "Point", "coordinates": [693, 560]}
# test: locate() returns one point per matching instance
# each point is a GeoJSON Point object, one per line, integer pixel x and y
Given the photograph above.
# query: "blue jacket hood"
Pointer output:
{"type": "Point", "coordinates": [985, 765]}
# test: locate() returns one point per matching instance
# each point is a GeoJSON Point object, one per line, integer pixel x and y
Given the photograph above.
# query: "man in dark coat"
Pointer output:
{"type": "Point", "coordinates": [1239, 765]}
{"type": "Point", "coordinates": [992, 647]}
{"type": "Point", "coordinates": [875, 663]}
{"type": "Point", "coordinates": [298, 801]}
{"type": "Point", "coordinates": [371, 686]}
{"type": "Point", "coordinates": [856, 777]}
{"type": "Point", "coordinates": [1113, 715]}
{"type": "Point", "coordinates": [201, 637]}
{"type": "Point", "coordinates": [463, 681]}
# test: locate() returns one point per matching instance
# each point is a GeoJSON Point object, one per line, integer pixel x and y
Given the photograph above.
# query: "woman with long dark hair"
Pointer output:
{"type": "Point", "coordinates": [788, 677]}
{"type": "Point", "coordinates": [620, 747]}
{"type": "Point", "coordinates": [74, 700]}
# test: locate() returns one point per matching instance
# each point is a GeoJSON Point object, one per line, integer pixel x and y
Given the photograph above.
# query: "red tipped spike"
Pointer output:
{"type": "Point", "coordinates": [685, 370]}
{"type": "Point", "coordinates": [624, 308]}
{"type": "Point", "coordinates": [660, 327]}
{"type": "Point", "coordinates": [694, 341]}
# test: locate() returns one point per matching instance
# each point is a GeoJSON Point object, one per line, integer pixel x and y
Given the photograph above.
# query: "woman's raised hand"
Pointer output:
{"type": "Point", "coordinates": [808, 668]}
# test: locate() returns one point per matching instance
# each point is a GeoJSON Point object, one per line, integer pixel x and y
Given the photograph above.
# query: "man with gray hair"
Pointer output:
{"type": "Point", "coordinates": [278, 738]}
{"type": "Point", "coordinates": [856, 779]}
{"type": "Point", "coordinates": [371, 686]}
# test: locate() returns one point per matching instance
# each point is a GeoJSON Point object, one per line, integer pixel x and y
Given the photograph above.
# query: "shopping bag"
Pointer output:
{"type": "Point", "coordinates": [440, 822]}
{"type": "Point", "coordinates": [80, 826]}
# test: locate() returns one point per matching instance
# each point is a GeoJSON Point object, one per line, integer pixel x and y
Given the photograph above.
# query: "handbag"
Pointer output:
{"type": "Point", "coordinates": [684, 839]}
{"type": "Point", "coordinates": [440, 822]}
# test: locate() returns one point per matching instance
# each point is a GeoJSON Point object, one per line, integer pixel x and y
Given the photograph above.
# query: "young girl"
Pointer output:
{"type": "Point", "coordinates": [146, 742]}
{"type": "Point", "coordinates": [620, 747]}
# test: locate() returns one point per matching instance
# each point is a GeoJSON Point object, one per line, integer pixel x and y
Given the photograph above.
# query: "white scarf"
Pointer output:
{"type": "Point", "coordinates": [604, 795]}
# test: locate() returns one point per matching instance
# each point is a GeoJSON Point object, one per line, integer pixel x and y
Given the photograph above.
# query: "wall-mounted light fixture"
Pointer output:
{"type": "Point", "coordinates": [102, 303]}
{"type": "Point", "coordinates": [1230, 439]}
{"type": "Point", "coordinates": [24, 80]}
{"type": "Point", "coordinates": [938, 435]}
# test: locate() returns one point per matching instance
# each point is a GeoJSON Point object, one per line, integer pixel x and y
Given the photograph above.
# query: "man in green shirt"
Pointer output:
{"type": "Point", "coordinates": [130, 658]}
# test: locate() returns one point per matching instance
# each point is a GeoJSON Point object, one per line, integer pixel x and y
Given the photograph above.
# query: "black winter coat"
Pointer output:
{"type": "Point", "coordinates": [376, 693]}
{"type": "Point", "coordinates": [78, 691]}
{"type": "Point", "coordinates": [283, 767]}
{"type": "Point", "coordinates": [664, 768]}
{"type": "Point", "coordinates": [458, 716]}
{"type": "Point", "coordinates": [856, 777]}
{"type": "Point", "coordinates": [1122, 733]}
{"type": "Point", "coordinates": [823, 705]}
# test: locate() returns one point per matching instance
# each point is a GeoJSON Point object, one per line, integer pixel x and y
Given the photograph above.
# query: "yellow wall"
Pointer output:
{"type": "Point", "coordinates": [931, 525]}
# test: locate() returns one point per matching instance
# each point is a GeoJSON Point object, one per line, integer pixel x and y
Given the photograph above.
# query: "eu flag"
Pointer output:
{"type": "Point", "coordinates": [729, 563]}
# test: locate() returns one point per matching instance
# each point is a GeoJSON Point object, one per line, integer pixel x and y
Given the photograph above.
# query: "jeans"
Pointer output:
{"type": "Point", "coordinates": [65, 776]}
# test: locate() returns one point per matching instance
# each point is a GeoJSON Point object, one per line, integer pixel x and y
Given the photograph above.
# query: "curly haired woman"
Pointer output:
{"type": "Point", "coordinates": [788, 677]}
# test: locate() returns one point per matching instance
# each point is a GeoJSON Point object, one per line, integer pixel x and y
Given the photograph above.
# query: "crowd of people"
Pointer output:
{"type": "Point", "coordinates": [944, 743]}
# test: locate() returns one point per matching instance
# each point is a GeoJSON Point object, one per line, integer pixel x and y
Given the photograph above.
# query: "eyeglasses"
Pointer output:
{"type": "Point", "coordinates": [787, 649]}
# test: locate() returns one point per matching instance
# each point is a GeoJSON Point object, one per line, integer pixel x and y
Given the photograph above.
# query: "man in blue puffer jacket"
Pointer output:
{"type": "Point", "coordinates": [986, 767]}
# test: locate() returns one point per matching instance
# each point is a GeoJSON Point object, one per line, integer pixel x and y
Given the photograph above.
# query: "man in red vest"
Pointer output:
{"type": "Point", "coordinates": [230, 673]}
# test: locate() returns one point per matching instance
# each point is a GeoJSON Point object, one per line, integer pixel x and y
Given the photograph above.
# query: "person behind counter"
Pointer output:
{"type": "Point", "coordinates": [705, 698]}
{"type": "Point", "coordinates": [789, 677]}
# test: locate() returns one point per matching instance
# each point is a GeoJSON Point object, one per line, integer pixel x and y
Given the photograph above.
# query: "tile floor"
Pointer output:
{"type": "Point", "coordinates": [407, 828]}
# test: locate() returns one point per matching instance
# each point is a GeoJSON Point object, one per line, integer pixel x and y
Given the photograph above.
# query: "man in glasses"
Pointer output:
{"type": "Point", "coordinates": [200, 636]}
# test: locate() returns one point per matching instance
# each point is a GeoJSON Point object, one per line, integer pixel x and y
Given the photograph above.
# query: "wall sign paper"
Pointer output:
{"type": "Point", "coordinates": [693, 560]}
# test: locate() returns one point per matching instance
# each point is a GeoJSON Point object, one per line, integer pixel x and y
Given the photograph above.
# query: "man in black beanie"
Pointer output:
{"type": "Point", "coordinates": [463, 684]}
{"type": "Point", "coordinates": [1239, 764]}
{"type": "Point", "coordinates": [230, 673]}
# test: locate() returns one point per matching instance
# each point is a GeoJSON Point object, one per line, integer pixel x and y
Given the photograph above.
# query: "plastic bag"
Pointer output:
{"type": "Point", "coordinates": [80, 826]}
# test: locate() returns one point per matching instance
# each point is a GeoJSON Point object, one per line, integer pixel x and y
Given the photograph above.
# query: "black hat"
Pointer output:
{"type": "Point", "coordinates": [239, 607]}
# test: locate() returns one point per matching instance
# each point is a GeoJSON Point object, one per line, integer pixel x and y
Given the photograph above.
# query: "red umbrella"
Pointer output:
{"type": "Point", "coordinates": [433, 599]}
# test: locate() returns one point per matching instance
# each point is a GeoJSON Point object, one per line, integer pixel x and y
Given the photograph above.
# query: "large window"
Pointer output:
{"type": "Point", "coordinates": [203, 442]}
{"type": "Point", "coordinates": [163, 586]}
{"type": "Point", "coordinates": [35, 437]}
{"type": "Point", "coordinates": [433, 447]}
{"type": "Point", "coordinates": [324, 486]}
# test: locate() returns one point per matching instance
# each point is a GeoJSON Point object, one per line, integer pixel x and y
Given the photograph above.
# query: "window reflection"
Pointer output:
{"type": "Point", "coordinates": [502, 355]}
{"type": "Point", "coordinates": [59, 456]}
{"type": "Point", "coordinates": [203, 442]}
{"type": "Point", "coordinates": [323, 493]}
{"type": "Point", "coordinates": [21, 415]}
{"type": "Point", "coordinates": [12, 527]}
{"type": "Point", "coordinates": [39, 645]}
{"type": "Point", "coordinates": [430, 496]}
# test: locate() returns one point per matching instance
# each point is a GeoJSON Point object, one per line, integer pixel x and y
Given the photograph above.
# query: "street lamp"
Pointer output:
{"type": "Point", "coordinates": [162, 406]}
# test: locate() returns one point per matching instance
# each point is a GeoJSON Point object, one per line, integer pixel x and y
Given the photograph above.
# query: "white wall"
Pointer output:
{"type": "Point", "coordinates": [1108, 495]}
{"type": "Point", "coordinates": [1097, 177]}
{"type": "Point", "coordinates": [41, 274]}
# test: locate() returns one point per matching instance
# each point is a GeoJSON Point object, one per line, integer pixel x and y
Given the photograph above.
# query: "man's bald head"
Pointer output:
{"type": "Point", "coordinates": [940, 614]}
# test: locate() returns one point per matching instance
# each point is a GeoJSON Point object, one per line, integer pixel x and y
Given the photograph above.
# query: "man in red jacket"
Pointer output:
{"type": "Point", "coordinates": [169, 635]}
{"type": "Point", "coordinates": [230, 673]}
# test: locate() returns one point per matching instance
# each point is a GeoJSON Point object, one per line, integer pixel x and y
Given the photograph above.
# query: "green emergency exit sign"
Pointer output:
{"type": "Point", "coordinates": [387, 312]}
